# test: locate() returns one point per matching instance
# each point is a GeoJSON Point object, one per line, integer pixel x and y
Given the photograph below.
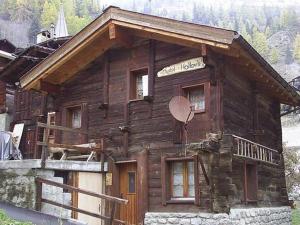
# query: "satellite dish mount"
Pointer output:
{"type": "Point", "coordinates": [182, 110]}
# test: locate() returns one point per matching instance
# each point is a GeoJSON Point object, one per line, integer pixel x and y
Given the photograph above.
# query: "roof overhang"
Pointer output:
{"type": "Point", "coordinates": [7, 55]}
{"type": "Point", "coordinates": [114, 25]}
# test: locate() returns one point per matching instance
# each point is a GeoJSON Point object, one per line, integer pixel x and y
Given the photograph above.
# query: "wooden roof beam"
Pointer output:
{"type": "Point", "coordinates": [48, 88]}
{"type": "Point", "coordinates": [119, 35]}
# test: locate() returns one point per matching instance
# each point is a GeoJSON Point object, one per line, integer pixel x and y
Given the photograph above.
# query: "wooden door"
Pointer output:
{"type": "Point", "coordinates": [128, 190]}
{"type": "Point", "coordinates": [91, 182]}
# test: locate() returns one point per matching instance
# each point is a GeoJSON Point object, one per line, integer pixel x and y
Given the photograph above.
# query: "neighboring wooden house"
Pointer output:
{"type": "Point", "coordinates": [29, 106]}
{"type": "Point", "coordinates": [6, 91]}
{"type": "Point", "coordinates": [115, 79]}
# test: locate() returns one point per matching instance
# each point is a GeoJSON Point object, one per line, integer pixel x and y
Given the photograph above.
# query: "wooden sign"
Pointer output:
{"type": "Point", "coordinates": [184, 66]}
{"type": "Point", "coordinates": [108, 179]}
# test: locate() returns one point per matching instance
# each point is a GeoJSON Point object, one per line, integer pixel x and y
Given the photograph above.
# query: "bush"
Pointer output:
{"type": "Point", "coordinates": [5, 220]}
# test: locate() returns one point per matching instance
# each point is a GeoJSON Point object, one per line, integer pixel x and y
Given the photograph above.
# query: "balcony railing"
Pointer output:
{"type": "Point", "coordinates": [247, 149]}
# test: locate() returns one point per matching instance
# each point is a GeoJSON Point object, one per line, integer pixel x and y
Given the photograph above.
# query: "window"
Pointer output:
{"type": "Point", "coordinates": [131, 182]}
{"type": "Point", "coordinates": [74, 117]}
{"type": "Point", "coordinates": [196, 97]}
{"type": "Point", "coordinates": [139, 84]}
{"type": "Point", "coordinates": [250, 187]}
{"type": "Point", "coordinates": [182, 179]}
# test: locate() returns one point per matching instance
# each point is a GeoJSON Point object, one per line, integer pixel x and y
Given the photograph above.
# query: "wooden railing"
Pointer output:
{"type": "Point", "coordinates": [251, 150]}
{"type": "Point", "coordinates": [113, 200]}
{"type": "Point", "coordinates": [46, 145]}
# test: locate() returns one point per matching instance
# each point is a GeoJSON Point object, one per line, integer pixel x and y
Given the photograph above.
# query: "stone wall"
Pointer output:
{"type": "Point", "coordinates": [17, 186]}
{"type": "Point", "coordinates": [251, 216]}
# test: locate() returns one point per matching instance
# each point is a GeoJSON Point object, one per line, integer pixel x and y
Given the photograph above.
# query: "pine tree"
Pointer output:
{"type": "Point", "coordinates": [297, 48]}
{"type": "Point", "coordinates": [49, 14]}
{"type": "Point", "coordinates": [259, 42]}
{"type": "Point", "coordinates": [274, 56]}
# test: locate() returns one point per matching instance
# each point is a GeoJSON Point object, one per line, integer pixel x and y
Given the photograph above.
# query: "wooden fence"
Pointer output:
{"type": "Point", "coordinates": [46, 145]}
{"type": "Point", "coordinates": [251, 150]}
{"type": "Point", "coordinates": [113, 200]}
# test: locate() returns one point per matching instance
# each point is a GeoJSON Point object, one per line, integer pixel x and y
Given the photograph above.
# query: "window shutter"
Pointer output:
{"type": "Point", "coordinates": [164, 180]}
{"type": "Point", "coordinates": [196, 180]}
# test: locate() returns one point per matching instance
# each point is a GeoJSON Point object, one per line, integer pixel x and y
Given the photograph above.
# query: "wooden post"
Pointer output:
{"type": "Point", "coordinates": [45, 140]}
{"type": "Point", "coordinates": [112, 214]}
{"type": "Point", "coordinates": [38, 200]}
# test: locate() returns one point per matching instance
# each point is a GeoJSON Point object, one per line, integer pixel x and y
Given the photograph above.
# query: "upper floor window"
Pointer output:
{"type": "Point", "coordinates": [139, 84]}
{"type": "Point", "coordinates": [197, 97]}
{"type": "Point", "coordinates": [74, 117]}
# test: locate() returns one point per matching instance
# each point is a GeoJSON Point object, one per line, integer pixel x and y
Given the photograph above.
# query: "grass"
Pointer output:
{"type": "Point", "coordinates": [296, 216]}
{"type": "Point", "coordinates": [5, 220]}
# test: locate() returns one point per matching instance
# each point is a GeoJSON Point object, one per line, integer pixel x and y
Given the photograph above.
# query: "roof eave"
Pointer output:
{"type": "Point", "coordinates": [268, 68]}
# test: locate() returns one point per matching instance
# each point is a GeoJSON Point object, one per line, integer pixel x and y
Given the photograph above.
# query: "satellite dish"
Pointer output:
{"type": "Point", "coordinates": [180, 108]}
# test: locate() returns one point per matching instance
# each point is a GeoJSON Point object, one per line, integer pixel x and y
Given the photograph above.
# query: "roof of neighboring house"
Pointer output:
{"type": "Point", "coordinates": [115, 24]}
{"type": "Point", "coordinates": [28, 58]}
{"type": "Point", "coordinates": [7, 46]}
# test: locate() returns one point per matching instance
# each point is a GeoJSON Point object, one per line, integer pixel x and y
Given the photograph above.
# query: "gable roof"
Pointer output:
{"type": "Point", "coordinates": [101, 34]}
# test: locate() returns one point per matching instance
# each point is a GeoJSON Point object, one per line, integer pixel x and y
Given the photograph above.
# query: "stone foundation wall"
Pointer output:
{"type": "Point", "coordinates": [17, 186]}
{"type": "Point", "coordinates": [251, 216]}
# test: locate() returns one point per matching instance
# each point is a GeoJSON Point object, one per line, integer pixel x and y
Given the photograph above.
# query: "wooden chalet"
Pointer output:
{"type": "Point", "coordinates": [6, 91]}
{"type": "Point", "coordinates": [113, 81]}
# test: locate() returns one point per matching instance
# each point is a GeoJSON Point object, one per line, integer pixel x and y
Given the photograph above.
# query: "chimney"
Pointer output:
{"type": "Point", "coordinates": [42, 36]}
{"type": "Point", "coordinates": [52, 30]}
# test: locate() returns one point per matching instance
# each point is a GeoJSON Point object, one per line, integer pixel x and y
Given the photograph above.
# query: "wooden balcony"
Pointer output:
{"type": "Point", "coordinates": [247, 149]}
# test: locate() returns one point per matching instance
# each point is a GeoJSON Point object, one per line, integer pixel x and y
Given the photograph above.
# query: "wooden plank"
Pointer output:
{"type": "Point", "coordinates": [55, 127]}
{"type": "Point", "coordinates": [64, 186]}
{"type": "Point", "coordinates": [68, 147]}
{"type": "Point", "coordinates": [75, 209]}
{"type": "Point", "coordinates": [38, 201]}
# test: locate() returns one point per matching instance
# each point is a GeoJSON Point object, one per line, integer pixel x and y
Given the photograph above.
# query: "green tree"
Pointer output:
{"type": "Point", "coordinates": [49, 14]}
{"type": "Point", "coordinates": [297, 48]}
{"type": "Point", "coordinates": [259, 42]}
{"type": "Point", "coordinates": [292, 174]}
{"type": "Point", "coordinates": [274, 56]}
{"type": "Point", "coordinates": [245, 34]}
{"type": "Point", "coordinates": [76, 23]}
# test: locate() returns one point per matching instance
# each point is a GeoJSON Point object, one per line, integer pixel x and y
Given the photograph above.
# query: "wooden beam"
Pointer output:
{"type": "Point", "coordinates": [70, 147]}
{"type": "Point", "coordinates": [168, 36]}
{"type": "Point", "coordinates": [48, 87]}
{"type": "Point", "coordinates": [90, 193]}
{"type": "Point", "coordinates": [80, 60]}
{"type": "Point", "coordinates": [120, 35]}
{"type": "Point", "coordinates": [63, 54]}
{"type": "Point", "coordinates": [55, 127]}
{"type": "Point", "coordinates": [151, 72]}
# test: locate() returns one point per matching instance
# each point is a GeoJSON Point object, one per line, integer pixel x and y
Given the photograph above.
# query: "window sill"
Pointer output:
{"type": "Point", "coordinates": [146, 99]}
{"type": "Point", "coordinates": [136, 100]}
{"type": "Point", "coordinates": [181, 201]}
{"type": "Point", "coordinates": [199, 111]}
